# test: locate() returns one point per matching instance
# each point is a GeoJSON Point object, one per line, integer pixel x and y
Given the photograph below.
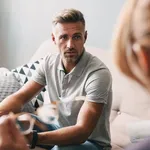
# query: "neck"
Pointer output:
{"type": "Point", "coordinates": [69, 67]}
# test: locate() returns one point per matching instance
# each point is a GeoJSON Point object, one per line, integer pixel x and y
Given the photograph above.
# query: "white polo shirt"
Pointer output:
{"type": "Point", "coordinates": [90, 78]}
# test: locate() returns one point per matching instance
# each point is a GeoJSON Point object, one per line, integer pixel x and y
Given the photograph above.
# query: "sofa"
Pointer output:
{"type": "Point", "coordinates": [130, 104]}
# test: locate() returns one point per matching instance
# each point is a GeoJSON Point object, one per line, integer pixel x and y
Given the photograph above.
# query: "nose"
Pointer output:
{"type": "Point", "coordinates": [70, 44]}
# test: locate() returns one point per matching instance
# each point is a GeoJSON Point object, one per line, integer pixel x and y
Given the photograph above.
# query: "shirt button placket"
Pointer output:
{"type": "Point", "coordinates": [64, 86]}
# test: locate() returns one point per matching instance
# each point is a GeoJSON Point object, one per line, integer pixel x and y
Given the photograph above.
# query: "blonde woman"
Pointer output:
{"type": "Point", "coordinates": [131, 45]}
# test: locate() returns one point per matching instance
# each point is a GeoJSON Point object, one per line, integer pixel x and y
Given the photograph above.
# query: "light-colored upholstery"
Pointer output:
{"type": "Point", "coordinates": [130, 101]}
{"type": "Point", "coordinates": [3, 71]}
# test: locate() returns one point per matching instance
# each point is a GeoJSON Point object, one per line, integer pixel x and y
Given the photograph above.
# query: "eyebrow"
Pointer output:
{"type": "Point", "coordinates": [78, 33]}
{"type": "Point", "coordinates": [63, 35]}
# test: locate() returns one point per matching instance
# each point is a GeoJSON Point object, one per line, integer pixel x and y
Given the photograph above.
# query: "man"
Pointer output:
{"type": "Point", "coordinates": [79, 81]}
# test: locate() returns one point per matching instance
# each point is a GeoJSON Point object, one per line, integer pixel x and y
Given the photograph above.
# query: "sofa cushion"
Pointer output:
{"type": "Point", "coordinates": [138, 130]}
{"type": "Point", "coordinates": [9, 85]}
{"type": "Point", "coordinates": [24, 73]}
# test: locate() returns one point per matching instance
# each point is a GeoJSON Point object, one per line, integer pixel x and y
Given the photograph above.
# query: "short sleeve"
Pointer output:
{"type": "Point", "coordinates": [39, 75]}
{"type": "Point", "coordinates": [99, 86]}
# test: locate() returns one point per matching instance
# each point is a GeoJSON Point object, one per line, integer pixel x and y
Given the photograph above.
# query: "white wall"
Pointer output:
{"type": "Point", "coordinates": [25, 24]}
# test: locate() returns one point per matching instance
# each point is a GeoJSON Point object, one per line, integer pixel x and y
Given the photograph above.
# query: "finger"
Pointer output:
{"type": "Point", "coordinates": [3, 119]}
{"type": "Point", "coordinates": [5, 130]}
{"type": "Point", "coordinates": [16, 134]}
{"type": "Point", "coordinates": [10, 134]}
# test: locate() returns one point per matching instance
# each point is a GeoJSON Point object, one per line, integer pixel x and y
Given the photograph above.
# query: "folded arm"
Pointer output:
{"type": "Point", "coordinates": [78, 133]}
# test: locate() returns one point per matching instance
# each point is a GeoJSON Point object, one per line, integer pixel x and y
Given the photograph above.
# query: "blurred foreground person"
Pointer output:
{"type": "Point", "coordinates": [131, 45]}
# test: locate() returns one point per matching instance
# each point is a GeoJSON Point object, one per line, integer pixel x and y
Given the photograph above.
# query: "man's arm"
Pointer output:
{"type": "Point", "coordinates": [77, 134]}
{"type": "Point", "coordinates": [15, 101]}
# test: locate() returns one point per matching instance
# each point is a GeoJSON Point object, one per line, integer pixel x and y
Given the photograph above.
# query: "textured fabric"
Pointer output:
{"type": "Point", "coordinates": [90, 78]}
{"type": "Point", "coordinates": [24, 73]}
{"type": "Point", "coordinates": [8, 85]}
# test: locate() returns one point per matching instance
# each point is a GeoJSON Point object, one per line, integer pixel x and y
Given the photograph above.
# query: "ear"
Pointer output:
{"type": "Point", "coordinates": [143, 57]}
{"type": "Point", "coordinates": [53, 38]}
{"type": "Point", "coordinates": [85, 36]}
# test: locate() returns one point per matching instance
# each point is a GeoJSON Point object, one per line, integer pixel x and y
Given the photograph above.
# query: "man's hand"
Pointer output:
{"type": "Point", "coordinates": [10, 136]}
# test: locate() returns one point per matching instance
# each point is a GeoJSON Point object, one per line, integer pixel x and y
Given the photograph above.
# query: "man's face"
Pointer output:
{"type": "Point", "coordinates": [70, 39]}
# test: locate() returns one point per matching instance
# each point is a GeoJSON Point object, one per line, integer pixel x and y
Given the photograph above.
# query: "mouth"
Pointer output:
{"type": "Point", "coordinates": [70, 53]}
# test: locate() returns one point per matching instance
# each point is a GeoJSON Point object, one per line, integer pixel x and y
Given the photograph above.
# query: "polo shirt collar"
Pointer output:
{"type": "Point", "coordinates": [60, 65]}
{"type": "Point", "coordinates": [78, 69]}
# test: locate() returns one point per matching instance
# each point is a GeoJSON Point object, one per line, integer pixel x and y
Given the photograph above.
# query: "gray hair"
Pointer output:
{"type": "Point", "coordinates": [68, 16]}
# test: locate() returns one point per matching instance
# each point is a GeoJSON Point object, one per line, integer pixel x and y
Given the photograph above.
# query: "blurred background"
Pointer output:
{"type": "Point", "coordinates": [25, 24]}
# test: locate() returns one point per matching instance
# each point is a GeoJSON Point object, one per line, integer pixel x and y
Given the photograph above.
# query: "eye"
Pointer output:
{"type": "Point", "coordinates": [64, 37]}
{"type": "Point", "coordinates": [77, 37]}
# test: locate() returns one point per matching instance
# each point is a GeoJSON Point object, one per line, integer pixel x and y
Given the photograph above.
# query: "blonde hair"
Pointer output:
{"type": "Point", "coordinates": [67, 16]}
{"type": "Point", "coordinates": [122, 38]}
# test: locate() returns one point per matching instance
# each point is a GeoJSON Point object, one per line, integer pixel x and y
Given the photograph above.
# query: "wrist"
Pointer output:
{"type": "Point", "coordinates": [29, 138]}
{"type": "Point", "coordinates": [34, 139]}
